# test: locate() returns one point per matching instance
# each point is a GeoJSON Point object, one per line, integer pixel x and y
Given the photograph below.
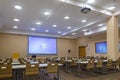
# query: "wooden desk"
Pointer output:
{"type": "Point", "coordinates": [19, 69]}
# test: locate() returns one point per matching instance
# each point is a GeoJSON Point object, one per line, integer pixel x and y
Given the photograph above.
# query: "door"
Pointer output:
{"type": "Point", "coordinates": [82, 51]}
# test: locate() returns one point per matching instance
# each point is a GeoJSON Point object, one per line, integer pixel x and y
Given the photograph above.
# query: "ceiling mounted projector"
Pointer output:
{"type": "Point", "coordinates": [85, 10]}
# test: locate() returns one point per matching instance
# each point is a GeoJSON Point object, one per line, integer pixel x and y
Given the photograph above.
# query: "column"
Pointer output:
{"type": "Point", "coordinates": [112, 37]}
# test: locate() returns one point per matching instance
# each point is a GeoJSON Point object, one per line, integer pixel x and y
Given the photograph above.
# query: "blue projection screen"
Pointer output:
{"type": "Point", "coordinates": [41, 45]}
{"type": "Point", "coordinates": [101, 47]}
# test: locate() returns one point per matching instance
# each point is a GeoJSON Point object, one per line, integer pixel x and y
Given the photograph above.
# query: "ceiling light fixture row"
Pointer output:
{"type": "Point", "coordinates": [16, 19]}
{"type": "Point", "coordinates": [46, 13]}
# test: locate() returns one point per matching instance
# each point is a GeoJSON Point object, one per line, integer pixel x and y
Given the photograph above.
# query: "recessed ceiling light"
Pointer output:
{"type": "Point", "coordinates": [90, 1]}
{"type": "Point", "coordinates": [15, 27]}
{"type": "Point", "coordinates": [100, 25]}
{"type": "Point", "coordinates": [33, 29]}
{"type": "Point", "coordinates": [59, 32]}
{"type": "Point", "coordinates": [69, 27]}
{"type": "Point", "coordinates": [111, 8]}
{"type": "Point", "coordinates": [74, 30]}
{"type": "Point", "coordinates": [16, 20]}
{"type": "Point", "coordinates": [66, 17]}
{"type": "Point", "coordinates": [54, 25]}
{"type": "Point", "coordinates": [84, 30]}
{"type": "Point", "coordinates": [18, 7]}
{"type": "Point", "coordinates": [103, 11]}
{"type": "Point", "coordinates": [38, 23]}
{"type": "Point", "coordinates": [46, 13]}
{"type": "Point", "coordinates": [73, 33]}
{"type": "Point", "coordinates": [46, 30]}
{"type": "Point", "coordinates": [62, 0]}
{"type": "Point", "coordinates": [108, 13]}
{"type": "Point", "coordinates": [64, 33]}
{"type": "Point", "coordinates": [84, 21]}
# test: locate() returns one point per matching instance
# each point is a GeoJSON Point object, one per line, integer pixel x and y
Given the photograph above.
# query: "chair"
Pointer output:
{"type": "Point", "coordinates": [62, 61]}
{"type": "Point", "coordinates": [32, 70]}
{"type": "Point", "coordinates": [1, 62]}
{"type": "Point", "coordinates": [90, 67]}
{"type": "Point", "coordinates": [117, 65]}
{"type": "Point", "coordinates": [109, 65]}
{"type": "Point", "coordinates": [83, 59]}
{"type": "Point", "coordinates": [8, 61]}
{"type": "Point", "coordinates": [39, 60]}
{"type": "Point", "coordinates": [99, 63]}
{"type": "Point", "coordinates": [0, 59]}
{"type": "Point", "coordinates": [22, 61]}
{"type": "Point", "coordinates": [52, 68]}
{"type": "Point", "coordinates": [99, 66]}
{"type": "Point", "coordinates": [73, 65]}
{"type": "Point", "coordinates": [5, 71]}
{"type": "Point", "coordinates": [90, 64]}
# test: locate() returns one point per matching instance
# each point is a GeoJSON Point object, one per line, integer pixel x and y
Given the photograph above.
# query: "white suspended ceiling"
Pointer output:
{"type": "Point", "coordinates": [33, 11]}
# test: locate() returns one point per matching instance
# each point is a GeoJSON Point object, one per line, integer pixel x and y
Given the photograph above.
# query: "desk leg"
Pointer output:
{"type": "Point", "coordinates": [21, 74]}
{"type": "Point", "coordinates": [14, 75]}
{"type": "Point", "coordinates": [42, 73]}
{"type": "Point", "coordinates": [67, 64]}
{"type": "Point", "coordinates": [18, 74]}
{"type": "Point", "coordinates": [79, 72]}
{"type": "Point", "coordinates": [58, 74]}
{"type": "Point", "coordinates": [66, 67]}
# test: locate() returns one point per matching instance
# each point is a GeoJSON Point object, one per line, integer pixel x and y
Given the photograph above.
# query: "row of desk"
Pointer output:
{"type": "Point", "coordinates": [67, 62]}
{"type": "Point", "coordinates": [79, 63]}
{"type": "Point", "coordinates": [18, 69]}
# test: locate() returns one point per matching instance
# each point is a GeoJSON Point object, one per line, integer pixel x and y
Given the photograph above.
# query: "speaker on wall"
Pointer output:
{"type": "Point", "coordinates": [69, 51]}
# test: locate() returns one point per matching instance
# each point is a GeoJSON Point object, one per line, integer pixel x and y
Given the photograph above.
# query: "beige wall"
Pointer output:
{"type": "Point", "coordinates": [89, 42]}
{"type": "Point", "coordinates": [12, 43]}
{"type": "Point", "coordinates": [64, 45]}
{"type": "Point", "coordinates": [18, 43]}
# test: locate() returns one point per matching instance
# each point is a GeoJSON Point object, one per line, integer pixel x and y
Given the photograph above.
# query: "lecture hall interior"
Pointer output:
{"type": "Point", "coordinates": [59, 39]}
